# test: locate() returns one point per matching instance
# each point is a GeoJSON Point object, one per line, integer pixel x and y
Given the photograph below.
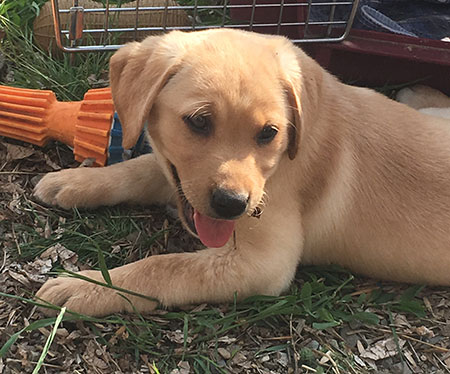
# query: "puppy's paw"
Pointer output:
{"type": "Point", "coordinates": [81, 296]}
{"type": "Point", "coordinates": [68, 189]}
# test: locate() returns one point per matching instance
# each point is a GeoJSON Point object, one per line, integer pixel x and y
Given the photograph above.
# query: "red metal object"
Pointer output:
{"type": "Point", "coordinates": [376, 59]}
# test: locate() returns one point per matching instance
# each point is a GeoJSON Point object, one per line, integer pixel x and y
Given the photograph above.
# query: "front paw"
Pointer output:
{"type": "Point", "coordinates": [81, 296]}
{"type": "Point", "coordinates": [69, 189]}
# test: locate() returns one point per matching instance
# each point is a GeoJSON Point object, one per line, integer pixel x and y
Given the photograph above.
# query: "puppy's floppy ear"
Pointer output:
{"type": "Point", "coordinates": [138, 72]}
{"type": "Point", "coordinates": [290, 70]}
{"type": "Point", "coordinates": [303, 81]}
{"type": "Point", "coordinates": [296, 126]}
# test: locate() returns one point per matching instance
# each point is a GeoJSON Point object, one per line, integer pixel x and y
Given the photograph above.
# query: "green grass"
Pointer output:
{"type": "Point", "coordinates": [323, 297]}
{"type": "Point", "coordinates": [21, 12]}
{"type": "Point", "coordinates": [117, 232]}
{"type": "Point", "coordinates": [34, 68]}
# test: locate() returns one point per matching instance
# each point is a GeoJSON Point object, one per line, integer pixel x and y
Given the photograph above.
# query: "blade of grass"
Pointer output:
{"type": "Point", "coordinates": [185, 333]}
{"type": "Point", "coordinates": [102, 265]}
{"type": "Point", "coordinates": [49, 341]}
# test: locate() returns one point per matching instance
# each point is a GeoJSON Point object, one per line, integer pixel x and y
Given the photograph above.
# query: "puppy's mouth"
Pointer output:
{"type": "Point", "coordinates": [213, 233]}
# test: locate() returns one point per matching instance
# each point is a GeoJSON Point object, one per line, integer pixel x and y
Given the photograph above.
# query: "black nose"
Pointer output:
{"type": "Point", "coordinates": [228, 204]}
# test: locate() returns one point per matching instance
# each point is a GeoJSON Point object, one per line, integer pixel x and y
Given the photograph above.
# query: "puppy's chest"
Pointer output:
{"type": "Point", "coordinates": [323, 237]}
{"type": "Point", "coordinates": [325, 223]}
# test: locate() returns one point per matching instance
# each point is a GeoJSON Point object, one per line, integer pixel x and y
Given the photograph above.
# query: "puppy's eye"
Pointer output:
{"type": "Point", "coordinates": [266, 135]}
{"type": "Point", "coordinates": [199, 124]}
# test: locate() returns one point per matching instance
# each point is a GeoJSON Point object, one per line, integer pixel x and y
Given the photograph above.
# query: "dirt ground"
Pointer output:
{"type": "Point", "coordinates": [400, 342]}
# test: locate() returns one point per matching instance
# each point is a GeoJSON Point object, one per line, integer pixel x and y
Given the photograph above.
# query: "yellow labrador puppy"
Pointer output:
{"type": "Point", "coordinates": [272, 161]}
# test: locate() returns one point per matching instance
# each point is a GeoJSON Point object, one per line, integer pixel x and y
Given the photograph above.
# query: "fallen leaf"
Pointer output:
{"type": "Point", "coordinates": [400, 320]}
{"type": "Point", "coordinates": [91, 357]}
{"type": "Point", "coordinates": [183, 368]}
{"type": "Point", "coordinates": [423, 331]}
{"type": "Point", "coordinates": [51, 253]}
{"type": "Point", "coordinates": [17, 152]}
{"type": "Point", "coordinates": [226, 339]}
{"type": "Point", "coordinates": [19, 278]}
{"type": "Point", "coordinates": [282, 359]}
{"type": "Point", "coordinates": [120, 333]}
{"type": "Point", "coordinates": [359, 361]}
{"type": "Point", "coordinates": [36, 271]}
{"type": "Point", "coordinates": [360, 347]}
{"type": "Point", "coordinates": [383, 349]}
{"type": "Point", "coordinates": [239, 359]}
{"type": "Point", "coordinates": [67, 258]}
{"type": "Point", "coordinates": [177, 336]}
{"type": "Point", "coordinates": [410, 358]}
{"type": "Point", "coordinates": [224, 353]}
{"type": "Point", "coordinates": [47, 230]}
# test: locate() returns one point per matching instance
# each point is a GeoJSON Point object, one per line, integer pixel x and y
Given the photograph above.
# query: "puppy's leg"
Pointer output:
{"type": "Point", "coordinates": [139, 181]}
{"type": "Point", "coordinates": [263, 261]}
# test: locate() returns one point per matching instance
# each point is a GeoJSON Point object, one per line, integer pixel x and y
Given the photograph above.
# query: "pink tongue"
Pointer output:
{"type": "Point", "coordinates": [213, 233]}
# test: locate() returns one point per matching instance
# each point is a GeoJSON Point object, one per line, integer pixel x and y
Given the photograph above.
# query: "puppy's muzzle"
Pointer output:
{"type": "Point", "coordinates": [228, 204]}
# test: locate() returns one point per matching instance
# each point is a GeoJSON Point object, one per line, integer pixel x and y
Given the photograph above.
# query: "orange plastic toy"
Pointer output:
{"type": "Point", "coordinates": [36, 117]}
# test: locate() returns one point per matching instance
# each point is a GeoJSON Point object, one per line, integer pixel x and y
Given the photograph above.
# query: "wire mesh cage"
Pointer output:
{"type": "Point", "coordinates": [86, 25]}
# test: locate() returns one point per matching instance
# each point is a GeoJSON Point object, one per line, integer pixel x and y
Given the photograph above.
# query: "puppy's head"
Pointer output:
{"type": "Point", "coordinates": [222, 109]}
